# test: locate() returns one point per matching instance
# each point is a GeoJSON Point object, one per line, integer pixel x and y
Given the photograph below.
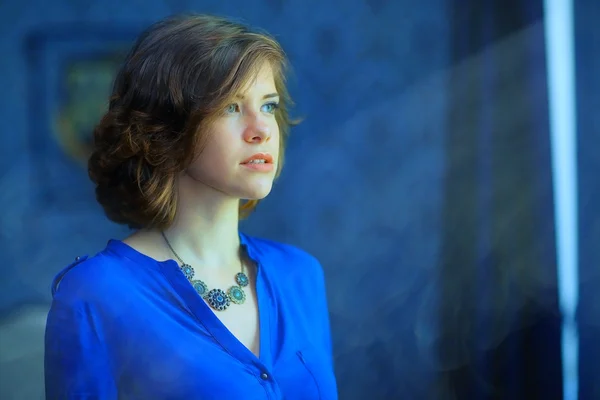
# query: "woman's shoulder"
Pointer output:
{"type": "Point", "coordinates": [281, 253]}
{"type": "Point", "coordinates": [89, 276]}
{"type": "Point", "coordinates": [272, 248]}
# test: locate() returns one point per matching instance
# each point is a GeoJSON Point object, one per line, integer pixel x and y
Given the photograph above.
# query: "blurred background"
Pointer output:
{"type": "Point", "coordinates": [444, 177]}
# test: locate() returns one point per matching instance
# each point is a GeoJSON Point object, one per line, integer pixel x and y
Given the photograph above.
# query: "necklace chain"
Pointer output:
{"type": "Point", "coordinates": [171, 248]}
{"type": "Point", "coordinates": [216, 298]}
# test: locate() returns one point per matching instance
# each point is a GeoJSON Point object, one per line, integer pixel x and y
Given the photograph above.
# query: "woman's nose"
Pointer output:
{"type": "Point", "coordinates": [257, 130]}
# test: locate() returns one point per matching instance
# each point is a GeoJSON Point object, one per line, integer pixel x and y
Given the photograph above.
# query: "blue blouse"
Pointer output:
{"type": "Point", "coordinates": [125, 326]}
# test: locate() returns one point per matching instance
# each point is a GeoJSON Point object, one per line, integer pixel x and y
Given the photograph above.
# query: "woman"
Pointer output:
{"type": "Point", "coordinates": [187, 307]}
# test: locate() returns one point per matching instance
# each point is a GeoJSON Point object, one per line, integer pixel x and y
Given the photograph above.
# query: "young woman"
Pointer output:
{"type": "Point", "coordinates": [187, 307]}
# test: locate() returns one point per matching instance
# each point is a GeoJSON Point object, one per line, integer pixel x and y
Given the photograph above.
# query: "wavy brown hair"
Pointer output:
{"type": "Point", "coordinates": [178, 75]}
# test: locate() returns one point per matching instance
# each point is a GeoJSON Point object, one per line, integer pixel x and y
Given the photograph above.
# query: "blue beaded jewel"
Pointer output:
{"type": "Point", "coordinates": [200, 287]}
{"type": "Point", "coordinates": [241, 279]}
{"type": "Point", "coordinates": [187, 270]}
{"type": "Point", "coordinates": [236, 294]}
{"type": "Point", "coordinates": [218, 299]}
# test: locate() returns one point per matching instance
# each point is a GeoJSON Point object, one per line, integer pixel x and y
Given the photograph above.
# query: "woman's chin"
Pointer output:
{"type": "Point", "coordinates": [257, 192]}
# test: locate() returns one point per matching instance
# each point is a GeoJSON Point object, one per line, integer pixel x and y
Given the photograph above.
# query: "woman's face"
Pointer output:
{"type": "Point", "coordinates": [242, 151]}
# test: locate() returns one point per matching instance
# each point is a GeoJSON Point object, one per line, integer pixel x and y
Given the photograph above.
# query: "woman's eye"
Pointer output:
{"type": "Point", "coordinates": [270, 107]}
{"type": "Point", "coordinates": [232, 108]}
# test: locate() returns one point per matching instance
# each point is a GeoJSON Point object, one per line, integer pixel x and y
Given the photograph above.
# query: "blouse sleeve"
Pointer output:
{"type": "Point", "coordinates": [76, 365]}
{"type": "Point", "coordinates": [324, 306]}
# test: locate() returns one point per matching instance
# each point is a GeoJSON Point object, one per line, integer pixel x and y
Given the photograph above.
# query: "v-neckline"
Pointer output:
{"type": "Point", "coordinates": [211, 322]}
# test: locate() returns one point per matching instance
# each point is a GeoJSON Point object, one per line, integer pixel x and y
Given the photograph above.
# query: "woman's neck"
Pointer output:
{"type": "Point", "coordinates": [205, 229]}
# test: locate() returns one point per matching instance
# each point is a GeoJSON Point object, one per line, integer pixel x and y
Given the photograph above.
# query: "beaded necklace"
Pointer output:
{"type": "Point", "coordinates": [216, 298]}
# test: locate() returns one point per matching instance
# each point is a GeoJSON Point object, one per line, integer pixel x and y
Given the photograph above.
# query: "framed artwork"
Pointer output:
{"type": "Point", "coordinates": [70, 74]}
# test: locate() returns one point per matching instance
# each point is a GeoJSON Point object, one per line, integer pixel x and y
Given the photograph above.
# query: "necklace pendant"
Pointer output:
{"type": "Point", "coordinates": [200, 288]}
{"type": "Point", "coordinates": [241, 279]}
{"type": "Point", "coordinates": [236, 295]}
{"type": "Point", "coordinates": [218, 299]}
{"type": "Point", "coordinates": [188, 271]}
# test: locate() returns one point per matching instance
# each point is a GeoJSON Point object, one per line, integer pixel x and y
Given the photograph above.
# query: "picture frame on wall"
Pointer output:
{"type": "Point", "coordinates": [70, 71]}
